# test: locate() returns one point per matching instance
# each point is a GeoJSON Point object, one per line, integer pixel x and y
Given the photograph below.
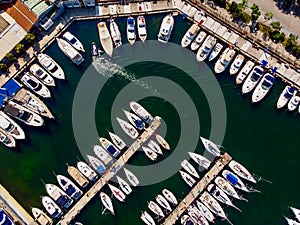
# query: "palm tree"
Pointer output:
{"type": "Point", "coordinates": [268, 16]}
{"type": "Point", "coordinates": [20, 48]}
{"type": "Point", "coordinates": [255, 12]}
{"type": "Point", "coordinates": [10, 57]}
{"type": "Point", "coordinates": [3, 67]}
{"type": "Point", "coordinates": [30, 38]}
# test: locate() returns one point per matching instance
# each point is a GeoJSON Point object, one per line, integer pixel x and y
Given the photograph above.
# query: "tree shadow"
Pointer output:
{"type": "Point", "coordinates": [17, 65]}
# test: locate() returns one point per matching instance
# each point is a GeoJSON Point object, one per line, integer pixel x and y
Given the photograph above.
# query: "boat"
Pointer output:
{"type": "Point", "coordinates": [141, 112]}
{"type": "Point", "coordinates": [80, 179]}
{"type": "Point", "coordinates": [117, 193]}
{"type": "Point", "coordinates": [163, 202]}
{"type": "Point", "coordinates": [215, 51]}
{"type": "Point", "coordinates": [35, 85]}
{"type": "Point", "coordinates": [105, 38]}
{"type": "Point", "coordinates": [51, 207]}
{"type": "Point", "coordinates": [94, 49]}
{"type": "Point", "coordinates": [227, 187]}
{"type": "Point", "coordinates": [154, 147]}
{"type": "Point", "coordinates": [59, 196]}
{"type": "Point", "coordinates": [166, 28]}
{"type": "Point", "coordinates": [187, 220]}
{"type": "Point", "coordinates": [263, 87]}
{"type": "Point", "coordinates": [234, 180]}
{"type": "Point", "coordinates": [169, 196]}
{"type": "Point", "coordinates": [224, 60]}
{"type": "Point", "coordinates": [115, 32]}
{"type": "Point", "coordinates": [190, 35]}
{"type": "Point", "coordinates": [206, 48]}
{"type": "Point", "coordinates": [118, 142]}
{"type": "Point", "coordinates": [97, 165]}
{"type": "Point", "coordinates": [136, 121]}
{"type": "Point", "coordinates": [69, 37]}
{"type": "Point", "coordinates": [7, 139]}
{"type": "Point", "coordinates": [252, 79]}
{"type": "Point", "coordinates": [211, 147]}
{"type": "Point", "coordinates": [155, 209]}
{"type": "Point", "coordinates": [102, 154]}
{"type": "Point", "coordinates": [162, 142]}
{"type": "Point", "coordinates": [69, 51]}
{"type": "Point", "coordinates": [114, 151]}
{"type": "Point", "coordinates": [142, 29]}
{"type": "Point", "coordinates": [241, 171]}
{"type": "Point", "coordinates": [296, 212]}
{"type": "Point", "coordinates": [189, 168]}
{"type": "Point", "coordinates": [42, 74]}
{"type": "Point", "coordinates": [198, 41]}
{"type": "Point", "coordinates": [291, 221]}
{"type": "Point", "coordinates": [131, 177]}
{"type": "Point", "coordinates": [128, 128]}
{"type": "Point", "coordinates": [285, 96]}
{"type": "Point", "coordinates": [69, 187]}
{"type": "Point", "coordinates": [187, 178]}
{"type": "Point", "coordinates": [212, 205]}
{"type": "Point", "coordinates": [147, 219]}
{"type": "Point", "coordinates": [107, 203]}
{"type": "Point", "coordinates": [87, 171]}
{"type": "Point", "coordinates": [23, 114]}
{"type": "Point", "coordinates": [200, 160]}
{"type": "Point", "coordinates": [5, 218]}
{"type": "Point", "coordinates": [125, 187]}
{"type": "Point", "coordinates": [294, 102]}
{"type": "Point", "coordinates": [205, 212]}
{"type": "Point", "coordinates": [40, 216]}
{"type": "Point", "coordinates": [131, 33]}
{"type": "Point", "coordinates": [244, 72]}
{"type": "Point", "coordinates": [11, 127]}
{"type": "Point", "coordinates": [236, 65]}
{"type": "Point", "coordinates": [51, 66]}
{"type": "Point", "coordinates": [196, 215]}
{"type": "Point", "coordinates": [150, 153]}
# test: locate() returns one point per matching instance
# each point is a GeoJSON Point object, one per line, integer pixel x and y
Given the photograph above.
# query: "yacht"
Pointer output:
{"type": "Point", "coordinates": [190, 35]}
{"type": "Point", "coordinates": [253, 78]}
{"type": "Point", "coordinates": [154, 147]}
{"type": "Point", "coordinates": [215, 51]}
{"type": "Point", "coordinates": [155, 209]}
{"type": "Point", "coordinates": [35, 85]}
{"type": "Point", "coordinates": [244, 72]}
{"type": "Point", "coordinates": [131, 177]}
{"type": "Point", "coordinates": [11, 127]}
{"type": "Point", "coordinates": [285, 96]}
{"type": "Point", "coordinates": [224, 60]}
{"type": "Point", "coordinates": [263, 87]}
{"type": "Point", "coordinates": [163, 202]}
{"type": "Point", "coordinates": [152, 155]}
{"type": "Point", "coordinates": [125, 187]}
{"type": "Point", "coordinates": [142, 29]}
{"type": "Point", "coordinates": [236, 65]}
{"type": "Point", "coordinates": [205, 212]}
{"type": "Point", "coordinates": [241, 171]}
{"type": "Point", "coordinates": [206, 48]}
{"type": "Point", "coordinates": [131, 33]}
{"type": "Point", "coordinates": [7, 139]}
{"type": "Point", "coordinates": [294, 102]}
{"type": "Point", "coordinates": [115, 32]}
{"type": "Point", "coordinates": [227, 187]}
{"type": "Point", "coordinates": [234, 180]}
{"type": "Point", "coordinates": [117, 141]}
{"type": "Point", "coordinates": [187, 220]}
{"type": "Point", "coordinates": [40, 216]}
{"type": "Point", "coordinates": [102, 154]}
{"type": "Point", "coordinates": [136, 121]}
{"type": "Point", "coordinates": [69, 187]}
{"type": "Point", "coordinates": [97, 165]}
{"type": "Point", "coordinates": [296, 212]}
{"type": "Point", "coordinates": [128, 128]}
{"type": "Point", "coordinates": [195, 214]}
{"type": "Point", "coordinates": [141, 112]}
{"type": "Point", "coordinates": [211, 147]}
{"type": "Point", "coordinates": [5, 218]}
{"type": "Point", "coordinates": [107, 203]}
{"type": "Point", "coordinates": [80, 179]}
{"type": "Point", "coordinates": [42, 74]}
{"type": "Point", "coordinates": [198, 41]}
{"type": "Point", "coordinates": [105, 38]}
{"type": "Point", "coordinates": [117, 193]}
{"type": "Point", "coordinates": [162, 142]}
{"type": "Point", "coordinates": [147, 219]}
{"type": "Point", "coordinates": [69, 51]}
{"type": "Point", "coordinates": [59, 196]}
{"type": "Point", "coordinates": [51, 66]}
{"type": "Point", "coordinates": [169, 196]}
{"type": "Point", "coordinates": [69, 37]}
{"type": "Point", "coordinates": [51, 207]}
{"type": "Point", "coordinates": [114, 151]}
{"type": "Point", "coordinates": [187, 178]}
{"type": "Point", "coordinates": [87, 171]}
{"type": "Point", "coordinates": [166, 28]}
{"type": "Point", "coordinates": [200, 160]}
{"type": "Point", "coordinates": [189, 168]}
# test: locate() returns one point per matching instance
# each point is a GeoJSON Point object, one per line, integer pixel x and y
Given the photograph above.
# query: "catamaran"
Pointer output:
{"type": "Point", "coordinates": [263, 87]}
{"type": "Point", "coordinates": [35, 85]}
{"type": "Point", "coordinates": [166, 28]}
{"type": "Point", "coordinates": [115, 32]}
{"type": "Point", "coordinates": [236, 65]}
{"type": "Point", "coordinates": [69, 51]}
{"type": "Point", "coordinates": [42, 74]}
{"type": "Point", "coordinates": [285, 96]}
{"type": "Point", "coordinates": [51, 66]}
{"type": "Point", "coordinates": [109, 147]}
{"type": "Point", "coordinates": [74, 41]}
{"type": "Point", "coordinates": [107, 203]}
{"type": "Point", "coordinates": [224, 60]}
{"type": "Point", "coordinates": [190, 35]}
{"type": "Point", "coordinates": [118, 142]}
{"type": "Point", "coordinates": [142, 30]}
{"type": "Point", "coordinates": [244, 72]}
{"type": "Point", "coordinates": [105, 38]}
{"type": "Point", "coordinates": [131, 33]}
{"type": "Point", "coordinates": [198, 41]}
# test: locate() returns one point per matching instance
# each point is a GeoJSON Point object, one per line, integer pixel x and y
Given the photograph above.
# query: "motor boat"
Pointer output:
{"type": "Point", "coordinates": [69, 51]}
{"type": "Point", "coordinates": [136, 121]}
{"type": "Point", "coordinates": [162, 142]}
{"type": "Point", "coordinates": [97, 165]}
{"type": "Point", "coordinates": [94, 49]}
{"type": "Point", "coordinates": [7, 139]}
{"type": "Point", "coordinates": [224, 60]}
{"type": "Point", "coordinates": [190, 35]}
{"type": "Point", "coordinates": [51, 66]}
{"type": "Point", "coordinates": [285, 96]}
{"type": "Point", "coordinates": [117, 193]}
{"type": "Point", "coordinates": [227, 187]}
{"type": "Point", "coordinates": [102, 154]}
{"type": "Point", "coordinates": [236, 65]}
{"type": "Point", "coordinates": [131, 177]}
{"type": "Point", "coordinates": [40, 216]}
{"type": "Point", "coordinates": [141, 112]}
{"type": "Point", "coordinates": [69, 187]}
{"type": "Point", "coordinates": [131, 33]}
{"type": "Point", "coordinates": [42, 74]}
{"type": "Point", "coordinates": [205, 211]}
{"type": "Point", "coordinates": [87, 171]}
{"type": "Point", "coordinates": [11, 127]}
{"type": "Point", "coordinates": [150, 153]}
{"type": "Point", "coordinates": [215, 51]}
{"type": "Point", "coordinates": [80, 179]}
{"type": "Point", "coordinates": [241, 171]}
{"type": "Point", "coordinates": [105, 38]}
{"type": "Point", "coordinates": [106, 202]}
{"type": "Point", "coordinates": [155, 209]}
{"type": "Point", "coordinates": [200, 160]}
{"type": "Point", "coordinates": [169, 196]}
{"type": "Point", "coordinates": [263, 87]}
{"type": "Point", "coordinates": [294, 102]}
{"type": "Point", "coordinates": [154, 147]}
{"type": "Point", "coordinates": [147, 219]}
{"type": "Point", "coordinates": [74, 41]}
{"type": "Point", "coordinates": [252, 79]}
{"type": "Point", "coordinates": [234, 180]}
{"type": "Point", "coordinates": [189, 180]}
{"type": "Point", "coordinates": [166, 28]}
{"type": "Point", "coordinates": [35, 85]}
{"type": "Point", "coordinates": [125, 187]}
{"type": "Point", "coordinates": [187, 220]}
{"type": "Point", "coordinates": [128, 128]}
{"type": "Point", "coordinates": [51, 207]}
{"type": "Point", "coordinates": [163, 202]}
{"type": "Point", "coordinates": [118, 142]}
{"type": "Point", "coordinates": [142, 29]}
{"type": "Point", "coordinates": [189, 168]}
{"type": "Point", "coordinates": [59, 196]}
{"type": "Point", "coordinates": [244, 72]}
{"type": "Point", "coordinates": [198, 41]}
{"type": "Point", "coordinates": [115, 32]}
{"type": "Point", "coordinates": [206, 48]}
{"type": "Point", "coordinates": [211, 147]}
{"type": "Point", "coordinates": [106, 144]}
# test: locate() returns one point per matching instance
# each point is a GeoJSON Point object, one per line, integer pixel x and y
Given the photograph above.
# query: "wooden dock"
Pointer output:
{"type": "Point", "coordinates": [195, 192]}
{"type": "Point", "coordinates": [111, 172]}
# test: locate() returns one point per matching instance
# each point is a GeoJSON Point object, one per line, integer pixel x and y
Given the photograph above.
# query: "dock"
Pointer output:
{"type": "Point", "coordinates": [110, 173]}
{"type": "Point", "coordinates": [197, 189]}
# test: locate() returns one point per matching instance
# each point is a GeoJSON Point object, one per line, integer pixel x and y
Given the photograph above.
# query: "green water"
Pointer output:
{"type": "Point", "coordinates": [263, 139]}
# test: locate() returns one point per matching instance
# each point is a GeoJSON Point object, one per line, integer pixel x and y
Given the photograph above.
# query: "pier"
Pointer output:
{"type": "Point", "coordinates": [111, 172]}
{"type": "Point", "coordinates": [195, 192]}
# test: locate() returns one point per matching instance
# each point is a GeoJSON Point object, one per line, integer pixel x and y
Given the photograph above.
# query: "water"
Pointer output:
{"type": "Point", "coordinates": [265, 140]}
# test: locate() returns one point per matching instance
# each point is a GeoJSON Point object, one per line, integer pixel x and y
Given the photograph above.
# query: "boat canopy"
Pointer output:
{"type": "Point", "coordinates": [231, 178]}
{"type": "Point", "coordinates": [8, 90]}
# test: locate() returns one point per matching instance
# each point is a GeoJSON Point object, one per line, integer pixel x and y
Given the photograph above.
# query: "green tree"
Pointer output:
{"type": "Point", "coordinates": [291, 41]}
{"type": "Point", "coordinates": [233, 7]}
{"type": "Point", "coordinates": [10, 57]}
{"type": "Point", "coordinates": [276, 25]}
{"type": "Point", "coordinates": [3, 67]}
{"type": "Point", "coordinates": [243, 5]}
{"type": "Point", "coordinates": [20, 48]}
{"type": "Point", "coordinates": [268, 16]}
{"type": "Point", "coordinates": [30, 38]}
{"type": "Point", "coordinates": [255, 12]}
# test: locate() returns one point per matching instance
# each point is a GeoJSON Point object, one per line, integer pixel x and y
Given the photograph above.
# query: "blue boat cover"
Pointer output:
{"type": "Point", "coordinates": [270, 78]}
{"type": "Point", "coordinates": [8, 89]}
{"type": "Point", "coordinates": [130, 21]}
{"type": "Point", "coordinates": [114, 152]}
{"type": "Point", "coordinates": [62, 200]}
{"type": "Point", "coordinates": [274, 70]}
{"type": "Point", "coordinates": [70, 190]}
{"type": "Point", "coordinates": [101, 169]}
{"type": "Point", "coordinates": [264, 63]}
{"type": "Point", "coordinates": [231, 178]}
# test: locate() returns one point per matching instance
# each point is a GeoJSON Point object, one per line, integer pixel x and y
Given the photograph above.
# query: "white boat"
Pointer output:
{"type": "Point", "coordinates": [69, 37]}
{"type": "Point", "coordinates": [128, 128]}
{"type": "Point", "coordinates": [11, 127]}
{"type": "Point", "coordinates": [196, 215]}
{"type": "Point", "coordinates": [241, 171]}
{"type": "Point", "coordinates": [190, 35]}
{"type": "Point", "coordinates": [294, 102]}
{"type": "Point", "coordinates": [51, 66]}
{"type": "Point", "coordinates": [155, 209]}
{"type": "Point", "coordinates": [200, 160]}
{"type": "Point", "coordinates": [224, 60]}
{"type": "Point", "coordinates": [263, 87]}
{"type": "Point", "coordinates": [215, 51]}
{"type": "Point", "coordinates": [115, 32]}
{"type": "Point", "coordinates": [131, 33]}
{"type": "Point", "coordinates": [189, 180]}
{"type": "Point", "coordinates": [87, 171]}
{"type": "Point", "coordinates": [205, 211]}
{"type": "Point", "coordinates": [118, 194]}
{"type": "Point", "coordinates": [106, 202]}
{"type": "Point", "coordinates": [198, 41]}
{"type": "Point", "coordinates": [105, 38]}
{"type": "Point", "coordinates": [118, 142]}
{"type": "Point", "coordinates": [113, 150]}
{"type": "Point", "coordinates": [162, 142]}
{"type": "Point", "coordinates": [136, 121]}
{"type": "Point", "coordinates": [97, 165]}
{"type": "Point", "coordinates": [244, 72]}
{"type": "Point", "coordinates": [187, 220]}
{"type": "Point", "coordinates": [141, 112]}
{"type": "Point", "coordinates": [285, 96]}
{"type": "Point", "coordinates": [163, 202]}
{"type": "Point", "coordinates": [69, 187]}
{"type": "Point", "coordinates": [189, 168]}
{"type": "Point", "coordinates": [236, 65]}
{"type": "Point", "coordinates": [154, 147]}
{"type": "Point", "coordinates": [212, 205]}
{"type": "Point", "coordinates": [40, 216]}
{"type": "Point", "coordinates": [252, 79]}
{"type": "Point", "coordinates": [23, 114]}
{"type": "Point", "coordinates": [80, 179]}
{"type": "Point", "coordinates": [42, 74]}
{"type": "Point", "coordinates": [69, 51]}
{"type": "Point", "coordinates": [166, 28]}
{"type": "Point", "coordinates": [102, 154]}
{"type": "Point", "coordinates": [211, 147]}
{"type": "Point", "coordinates": [94, 49]}
{"type": "Point", "coordinates": [296, 212]}
{"type": "Point", "coordinates": [141, 27]}
{"type": "Point", "coordinates": [131, 177]}
{"type": "Point", "coordinates": [291, 221]}
{"type": "Point", "coordinates": [234, 180]}
{"type": "Point", "coordinates": [59, 196]}
{"type": "Point", "coordinates": [147, 219]}
{"type": "Point", "coordinates": [7, 139]}
{"type": "Point", "coordinates": [150, 153]}
{"type": "Point", "coordinates": [125, 187]}
{"type": "Point", "coordinates": [35, 85]}
{"type": "Point", "coordinates": [227, 187]}
{"type": "Point", "coordinates": [51, 207]}
{"type": "Point", "coordinates": [169, 196]}
{"type": "Point", "coordinates": [206, 48]}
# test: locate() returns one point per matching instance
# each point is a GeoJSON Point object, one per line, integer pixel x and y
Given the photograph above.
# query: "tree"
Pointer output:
{"type": "Point", "coordinates": [291, 41]}
{"type": "Point", "coordinates": [233, 7]}
{"type": "Point", "coordinates": [277, 36]}
{"type": "Point", "coordinates": [276, 25]}
{"type": "Point", "coordinates": [10, 57]}
{"type": "Point", "coordinates": [3, 67]}
{"type": "Point", "coordinates": [268, 16]}
{"type": "Point", "coordinates": [255, 12]}
{"type": "Point", "coordinates": [243, 5]}
{"type": "Point", "coordinates": [20, 48]}
{"type": "Point", "coordinates": [30, 38]}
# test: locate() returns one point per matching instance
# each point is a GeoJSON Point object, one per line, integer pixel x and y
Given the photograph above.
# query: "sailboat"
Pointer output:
{"type": "Point", "coordinates": [155, 209]}
{"type": "Point", "coordinates": [107, 203]}
{"type": "Point", "coordinates": [200, 160]}
{"type": "Point", "coordinates": [162, 142]}
{"type": "Point", "coordinates": [163, 202]}
{"type": "Point", "coordinates": [117, 193]}
{"type": "Point", "coordinates": [211, 147]}
{"type": "Point", "coordinates": [117, 141]}
{"type": "Point", "coordinates": [189, 168]}
{"type": "Point", "coordinates": [147, 219]}
{"type": "Point", "coordinates": [154, 147]}
{"type": "Point", "coordinates": [169, 196]}
{"type": "Point", "coordinates": [124, 185]}
{"type": "Point", "coordinates": [131, 177]}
